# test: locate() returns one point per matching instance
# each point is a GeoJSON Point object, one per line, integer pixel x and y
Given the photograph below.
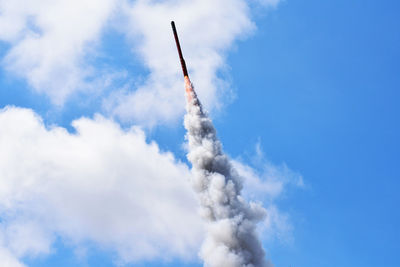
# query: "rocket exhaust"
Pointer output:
{"type": "Point", "coordinates": [231, 237]}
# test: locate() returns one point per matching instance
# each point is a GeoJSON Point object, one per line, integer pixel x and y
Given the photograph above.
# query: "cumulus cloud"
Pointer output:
{"type": "Point", "coordinates": [207, 29]}
{"type": "Point", "coordinates": [53, 44]}
{"type": "Point", "coordinates": [101, 184]}
{"type": "Point", "coordinates": [107, 186]}
{"type": "Point", "coordinates": [50, 41]}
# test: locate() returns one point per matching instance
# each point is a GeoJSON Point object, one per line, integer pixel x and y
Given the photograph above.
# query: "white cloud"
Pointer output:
{"type": "Point", "coordinates": [267, 186]}
{"type": "Point", "coordinates": [277, 226]}
{"type": "Point", "coordinates": [50, 40]}
{"type": "Point", "coordinates": [206, 28]}
{"type": "Point", "coordinates": [53, 44]}
{"type": "Point", "coordinates": [270, 182]}
{"type": "Point", "coordinates": [110, 187]}
{"type": "Point", "coordinates": [8, 260]}
{"type": "Point", "coordinates": [102, 185]}
{"type": "Point", "coordinates": [267, 182]}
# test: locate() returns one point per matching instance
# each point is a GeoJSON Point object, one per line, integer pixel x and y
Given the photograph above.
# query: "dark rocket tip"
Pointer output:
{"type": "Point", "coordinates": [178, 46]}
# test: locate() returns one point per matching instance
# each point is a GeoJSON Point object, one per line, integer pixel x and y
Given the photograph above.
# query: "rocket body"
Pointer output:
{"type": "Point", "coordinates": [178, 46]}
{"type": "Point", "coordinates": [188, 85]}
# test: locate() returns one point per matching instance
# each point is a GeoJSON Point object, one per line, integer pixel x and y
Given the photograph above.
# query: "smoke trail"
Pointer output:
{"type": "Point", "coordinates": [231, 239]}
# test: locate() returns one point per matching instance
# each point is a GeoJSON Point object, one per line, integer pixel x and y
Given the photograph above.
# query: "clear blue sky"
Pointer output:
{"type": "Point", "coordinates": [317, 85]}
{"type": "Point", "coordinates": [323, 96]}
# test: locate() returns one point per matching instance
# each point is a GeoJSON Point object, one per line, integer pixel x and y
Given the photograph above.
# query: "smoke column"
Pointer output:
{"type": "Point", "coordinates": [231, 239]}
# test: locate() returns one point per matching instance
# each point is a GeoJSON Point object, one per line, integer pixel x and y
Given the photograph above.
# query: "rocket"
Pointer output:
{"type": "Point", "coordinates": [178, 46]}
{"type": "Point", "coordinates": [188, 85]}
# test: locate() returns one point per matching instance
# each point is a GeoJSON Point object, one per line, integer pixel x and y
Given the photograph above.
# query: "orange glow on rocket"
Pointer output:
{"type": "Point", "coordinates": [189, 89]}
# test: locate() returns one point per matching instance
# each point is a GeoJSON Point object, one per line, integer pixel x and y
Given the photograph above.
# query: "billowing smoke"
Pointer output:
{"type": "Point", "coordinates": [231, 239]}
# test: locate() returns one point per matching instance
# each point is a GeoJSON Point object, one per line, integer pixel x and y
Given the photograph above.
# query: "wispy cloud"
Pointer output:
{"type": "Point", "coordinates": [269, 3]}
{"type": "Point", "coordinates": [268, 182]}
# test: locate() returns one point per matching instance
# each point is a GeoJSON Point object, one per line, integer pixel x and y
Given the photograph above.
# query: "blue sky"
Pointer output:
{"type": "Point", "coordinates": [311, 85]}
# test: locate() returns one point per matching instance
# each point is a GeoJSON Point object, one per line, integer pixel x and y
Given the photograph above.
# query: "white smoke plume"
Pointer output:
{"type": "Point", "coordinates": [231, 239]}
